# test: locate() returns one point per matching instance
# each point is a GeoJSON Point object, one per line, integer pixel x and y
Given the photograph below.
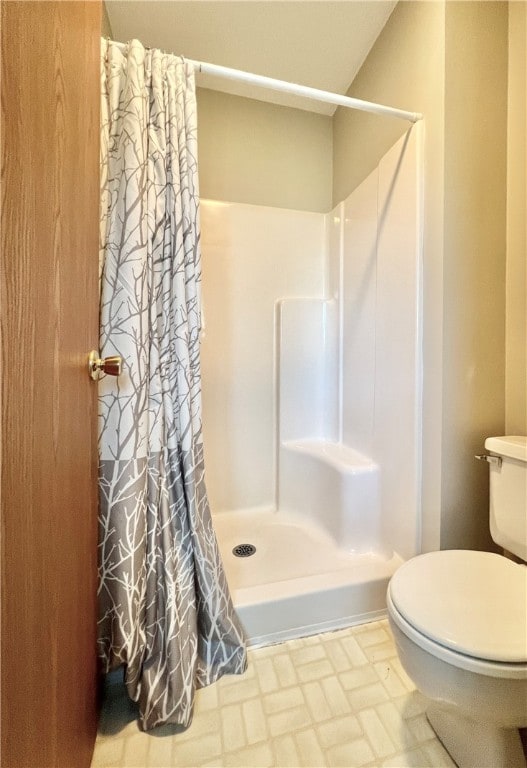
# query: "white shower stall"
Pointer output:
{"type": "Point", "coordinates": [311, 369]}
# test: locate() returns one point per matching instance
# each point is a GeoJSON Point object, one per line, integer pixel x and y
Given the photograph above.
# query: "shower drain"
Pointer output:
{"type": "Point", "coordinates": [244, 550]}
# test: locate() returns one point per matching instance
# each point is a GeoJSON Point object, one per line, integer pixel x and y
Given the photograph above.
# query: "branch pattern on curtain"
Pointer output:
{"type": "Point", "coordinates": [164, 604]}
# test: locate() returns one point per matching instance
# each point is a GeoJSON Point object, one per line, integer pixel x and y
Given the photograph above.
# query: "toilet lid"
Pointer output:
{"type": "Point", "coordinates": [472, 602]}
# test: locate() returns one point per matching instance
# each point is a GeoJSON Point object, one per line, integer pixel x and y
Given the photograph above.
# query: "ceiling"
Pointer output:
{"type": "Point", "coordinates": [319, 43]}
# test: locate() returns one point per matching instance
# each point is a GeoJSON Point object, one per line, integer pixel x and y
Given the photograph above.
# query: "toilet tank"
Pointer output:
{"type": "Point", "coordinates": [508, 493]}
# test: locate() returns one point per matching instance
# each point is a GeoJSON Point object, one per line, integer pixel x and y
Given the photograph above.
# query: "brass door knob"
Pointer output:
{"type": "Point", "coordinates": [97, 366]}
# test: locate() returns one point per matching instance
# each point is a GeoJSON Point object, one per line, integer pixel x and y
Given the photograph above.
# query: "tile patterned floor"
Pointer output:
{"type": "Point", "coordinates": [337, 699]}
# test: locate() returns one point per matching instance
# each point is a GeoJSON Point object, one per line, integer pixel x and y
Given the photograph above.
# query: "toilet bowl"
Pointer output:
{"type": "Point", "coordinates": [446, 611]}
{"type": "Point", "coordinates": [459, 620]}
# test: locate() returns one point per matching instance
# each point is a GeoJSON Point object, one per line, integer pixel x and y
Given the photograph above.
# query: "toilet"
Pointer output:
{"type": "Point", "coordinates": [459, 619]}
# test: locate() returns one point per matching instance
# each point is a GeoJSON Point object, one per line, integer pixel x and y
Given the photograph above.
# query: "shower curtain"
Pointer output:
{"type": "Point", "coordinates": [165, 609]}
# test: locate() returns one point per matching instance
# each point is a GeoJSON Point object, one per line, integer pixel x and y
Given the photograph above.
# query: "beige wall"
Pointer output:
{"type": "Point", "coordinates": [405, 69]}
{"type": "Point", "coordinates": [254, 152]}
{"type": "Point", "coordinates": [449, 61]}
{"type": "Point", "coordinates": [474, 262]}
{"type": "Point", "coordinates": [516, 285]}
{"type": "Point", "coordinates": [106, 29]}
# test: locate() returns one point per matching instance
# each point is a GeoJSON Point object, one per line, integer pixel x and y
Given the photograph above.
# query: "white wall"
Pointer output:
{"type": "Point", "coordinates": [252, 257]}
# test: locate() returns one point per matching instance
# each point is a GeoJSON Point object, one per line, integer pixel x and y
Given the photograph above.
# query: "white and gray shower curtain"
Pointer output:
{"type": "Point", "coordinates": [165, 609]}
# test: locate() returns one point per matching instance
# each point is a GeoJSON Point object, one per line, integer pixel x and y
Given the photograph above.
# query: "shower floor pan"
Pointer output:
{"type": "Point", "coordinates": [297, 582]}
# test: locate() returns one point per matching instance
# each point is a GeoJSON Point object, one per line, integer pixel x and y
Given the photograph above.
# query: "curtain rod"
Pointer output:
{"type": "Point", "coordinates": [298, 90]}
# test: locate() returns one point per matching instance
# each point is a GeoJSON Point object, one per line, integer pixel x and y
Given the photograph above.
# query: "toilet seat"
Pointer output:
{"type": "Point", "coordinates": [469, 608]}
{"type": "Point", "coordinates": [469, 663]}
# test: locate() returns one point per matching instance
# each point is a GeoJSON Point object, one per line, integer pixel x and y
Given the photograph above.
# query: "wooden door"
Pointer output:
{"type": "Point", "coordinates": [50, 146]}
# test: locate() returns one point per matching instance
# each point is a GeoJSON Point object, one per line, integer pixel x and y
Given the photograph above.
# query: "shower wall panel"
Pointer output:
{"type": "Point", "coordinates": [359, 282]}
{"type": "Point", "coordinates": [396, 440]}
{"type": "Point", "coordinates": [307, 368]}
{"type": "Point", "coordinates": [252, 257]}
{"type": "Point", "coordinates": [380, 333]}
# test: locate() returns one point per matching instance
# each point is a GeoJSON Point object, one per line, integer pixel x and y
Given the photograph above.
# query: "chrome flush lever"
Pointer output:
{"type": "Point", "coordinates": [496, 460]}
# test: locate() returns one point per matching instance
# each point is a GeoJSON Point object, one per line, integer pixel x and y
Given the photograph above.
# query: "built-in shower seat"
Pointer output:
{"type": "Point", "coordinates": [335, 487]}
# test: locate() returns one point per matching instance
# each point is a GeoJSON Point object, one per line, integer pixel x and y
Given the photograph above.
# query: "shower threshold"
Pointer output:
{"type": "Point", "coordinates": [298, 581]}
